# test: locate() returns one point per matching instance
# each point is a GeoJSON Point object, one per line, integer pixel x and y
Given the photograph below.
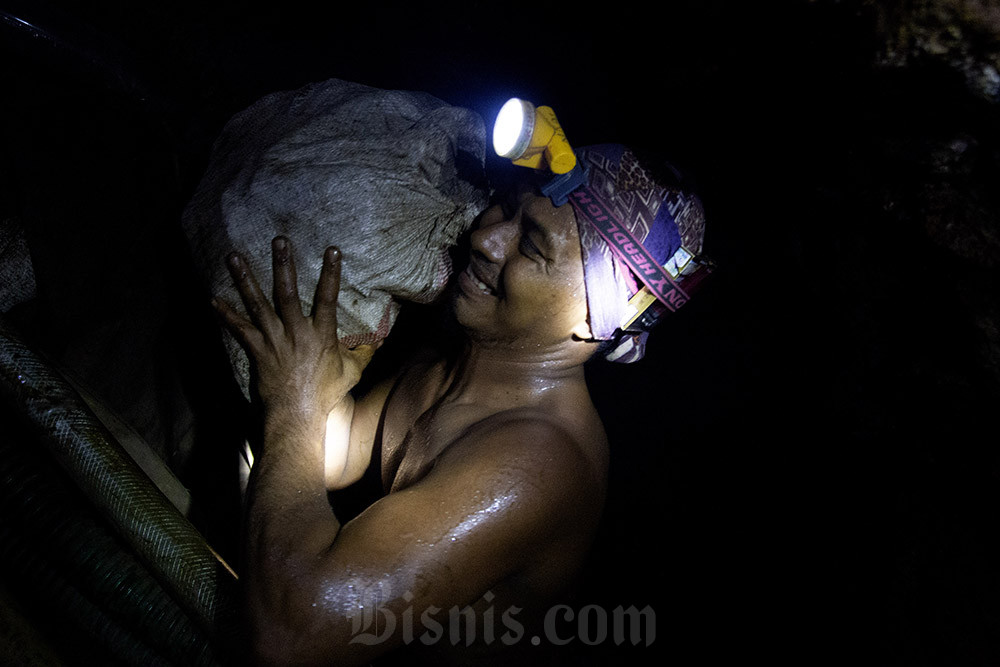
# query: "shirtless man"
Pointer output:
{"type": "Point", "coordinates": [494, 462]}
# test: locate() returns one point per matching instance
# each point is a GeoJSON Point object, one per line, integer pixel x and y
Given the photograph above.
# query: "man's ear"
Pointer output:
{"type": "Point", "coordinates": [582, 331]}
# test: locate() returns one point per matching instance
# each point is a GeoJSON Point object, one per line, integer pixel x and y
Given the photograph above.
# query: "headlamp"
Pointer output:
{"type": "Point", "coordinates": [528, 136]}
{"type": "Point", "coordinates": [532, 137]}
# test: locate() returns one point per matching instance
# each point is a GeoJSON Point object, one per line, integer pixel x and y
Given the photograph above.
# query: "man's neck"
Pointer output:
{"type": "Point", "coordinates": [510, 377]}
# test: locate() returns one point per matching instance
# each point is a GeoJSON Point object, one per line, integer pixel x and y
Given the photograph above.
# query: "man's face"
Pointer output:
{"type": "Point", "coordinates": [524, 283]}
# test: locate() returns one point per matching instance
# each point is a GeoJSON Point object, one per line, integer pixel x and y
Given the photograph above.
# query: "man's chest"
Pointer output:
{"type": "Point", "coordinates": [417, 430]}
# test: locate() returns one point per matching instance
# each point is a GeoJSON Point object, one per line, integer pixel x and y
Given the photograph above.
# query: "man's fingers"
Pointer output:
{"type": "Point", "coordinates": [258, 307]}
{"type": "Point", "coordinates": [325, 302]}
{"type": "Point", "coordinates": [286, 290]}
{"type": "Point", "coordinates": [246, 333]}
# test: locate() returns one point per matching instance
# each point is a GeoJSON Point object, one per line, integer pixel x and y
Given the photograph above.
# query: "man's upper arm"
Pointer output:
{"type": "Point", "coordinates": [484, 511]}
{"type": "Point", "coordinates": [364, 426]}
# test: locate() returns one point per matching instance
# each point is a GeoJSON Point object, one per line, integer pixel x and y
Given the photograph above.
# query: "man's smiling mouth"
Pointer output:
{"type": "Point", "coordinates": [483, 288]}
{"type": "Point", "coordinates": [479, 280]}
{"type": "Point", "coordinates": [474, 282]}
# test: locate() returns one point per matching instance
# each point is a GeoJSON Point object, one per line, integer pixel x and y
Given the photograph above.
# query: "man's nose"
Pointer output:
{"type": "Point", "coordinates": [495, 241]}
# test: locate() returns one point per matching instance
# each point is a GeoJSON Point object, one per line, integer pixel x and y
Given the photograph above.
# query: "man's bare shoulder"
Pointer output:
{"type": "Point", "coordinates": [371, 404]}
{"type": "Point", "coordinates": [404, 378]}
{"type": "Point", "coordinates": [533, 449]}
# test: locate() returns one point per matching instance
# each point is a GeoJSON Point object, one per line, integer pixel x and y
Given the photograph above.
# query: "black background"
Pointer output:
{"type": "Point", "coordinates": [803, 467]}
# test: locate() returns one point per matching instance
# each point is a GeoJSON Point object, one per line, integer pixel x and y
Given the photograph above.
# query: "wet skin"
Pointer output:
{"type": "Point", "coordinates": [495, 465]}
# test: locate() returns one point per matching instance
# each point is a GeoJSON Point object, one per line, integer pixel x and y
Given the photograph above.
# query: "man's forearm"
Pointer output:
{"type": "Point", "coordinates": [289, 520]}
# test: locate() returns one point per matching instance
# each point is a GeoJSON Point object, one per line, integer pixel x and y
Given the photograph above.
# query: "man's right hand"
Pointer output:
{"type": "Point", "coordinates": [303, 369]}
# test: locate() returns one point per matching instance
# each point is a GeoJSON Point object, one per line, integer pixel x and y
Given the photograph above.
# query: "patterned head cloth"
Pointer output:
{"type": "Point", "coordinates": [641, 242]}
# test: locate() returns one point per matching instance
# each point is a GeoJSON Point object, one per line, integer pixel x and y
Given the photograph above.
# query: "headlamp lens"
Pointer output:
{"type": "Point", "coordinates": [513, 128]}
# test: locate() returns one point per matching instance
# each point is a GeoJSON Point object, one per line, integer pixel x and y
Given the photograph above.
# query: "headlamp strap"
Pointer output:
{"type": "Point", "coordinates": [629, 250]}
{"type": "Point", "coordinates": [560, 186]}
{"type": "Point", "coordinates": [644, 309]}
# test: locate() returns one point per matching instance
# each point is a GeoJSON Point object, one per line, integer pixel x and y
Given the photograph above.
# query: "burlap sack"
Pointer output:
{"type": "Point", "coordinates": [391, 177]}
